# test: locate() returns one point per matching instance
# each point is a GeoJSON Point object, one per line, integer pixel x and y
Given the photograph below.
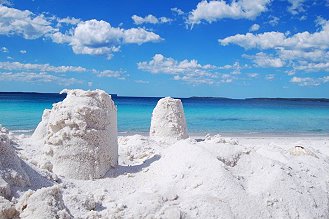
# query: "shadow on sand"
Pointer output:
{"type": "Point", "coordinates": [122, 170]}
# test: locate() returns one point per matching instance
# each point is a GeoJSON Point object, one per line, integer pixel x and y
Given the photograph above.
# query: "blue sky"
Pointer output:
{"type": "Point", "coordinates": [238, 49]}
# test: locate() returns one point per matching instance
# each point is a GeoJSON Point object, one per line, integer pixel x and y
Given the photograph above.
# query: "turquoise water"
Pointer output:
{"type": "Point", "coordinates": [21, 112]}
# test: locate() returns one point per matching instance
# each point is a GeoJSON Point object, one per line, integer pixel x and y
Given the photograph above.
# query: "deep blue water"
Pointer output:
{"type": "Point", "coordinates": [22, 112]}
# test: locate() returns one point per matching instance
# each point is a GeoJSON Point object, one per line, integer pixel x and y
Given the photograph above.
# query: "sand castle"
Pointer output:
{"type": "Point", "coordinates": [81, 134]}
{"type": "Point", "coordinates": [168, 120]}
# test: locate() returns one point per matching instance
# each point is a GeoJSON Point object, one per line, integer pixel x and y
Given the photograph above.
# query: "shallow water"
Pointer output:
{"type": "Point", "coordinates": [21, 112]}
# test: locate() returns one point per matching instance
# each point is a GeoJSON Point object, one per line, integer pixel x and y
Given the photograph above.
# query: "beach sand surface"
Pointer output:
{"type": "Point", "coordinates": [199, 177]}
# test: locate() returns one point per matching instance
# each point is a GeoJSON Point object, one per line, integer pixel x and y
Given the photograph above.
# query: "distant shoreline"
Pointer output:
{"type": "Point", "coordinates": [192, 97]}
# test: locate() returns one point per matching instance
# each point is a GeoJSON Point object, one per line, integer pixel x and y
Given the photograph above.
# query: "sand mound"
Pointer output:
{"type": "Point", "coordinates": [168, 120]}
{"type": "Point", "coordinates": [7, 209]}
{"type": "Point", "coordinates": [44, 203]}
{"type": "Point", "coordinates": [11, 171]}
{"type": "Point", "coordinates": [301, 151]}
{"type": "Point", "coordinates": [41, 130]}
{"type": "Point", "coordinates": [81, 134]}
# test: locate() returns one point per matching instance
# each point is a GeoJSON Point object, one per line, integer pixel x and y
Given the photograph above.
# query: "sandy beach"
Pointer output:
{"type": "Point", "coordinates": [75, 166]}
{"type": "Point", "coordinates": [164, 109]}
{"type": "Point", "coordinates": [209, 177]}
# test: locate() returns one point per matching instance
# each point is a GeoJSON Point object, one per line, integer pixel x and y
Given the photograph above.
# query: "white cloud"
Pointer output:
{"type": "Point", "coordinates": [95, 37]}
{"type": "Point", "coordinates": [265, 40]}
{"type": "Point", "coordinates": [17, 66]}
{"type": "Point", "coordinates": [150, 19]}
{"type": "Point", "coordinates": [307, 81]}
{"type": "Point", "coordinates": [4, 50]}
{"type": "Point", "coordinates": [38, 73]}
{"type": "Point", "coordinates": [23, 23]}
{"type": "Point", "coordinates": [254, 27]}
{"type": "Point", "coordinates": [165, 20]}
{"type": "Point", "coordinates": [177, 11]}
{"type": "Point", "coordinates": [23, 51]}
{"type": "Point", "coordinates": [264, 60]}
{"type": "Point", "coordinates": [215, 10]}
{"type": "Point", "coordinates": [273, 21]}
{"type": "Point", "coordinates": [273, 40]}
{"type": "Point", "coordinates": [91, 37]}
{"type": "Point", "coordinates": [236, 68]}
{"type": "Point", "coordinates": [140, 36]}
{"type": "Point", "coordinates": [6, 2]}
{"type": "Point", "coordinates": [111, 74]}
{"type": "Point", "coordinates": [29, 67]}
{"type": "Point", "coordinates": [161, 64]}
{"type": "Point", "coordinates": [313, 67]}
{"type": "Point", "coordinates": [68, 20]}
{"type": "Point", "coordinates": [296, 7]}
{"type": "Point", "coordinates": [299, 54]}
{"type": "Point", "coordinates": [32, 77]}
{"type": "Point", "coordinates": [60, 38]}
{"type": "Point", "coordinates": [189, 71]}
{"type": "Point", "coordinates": [302, 51]}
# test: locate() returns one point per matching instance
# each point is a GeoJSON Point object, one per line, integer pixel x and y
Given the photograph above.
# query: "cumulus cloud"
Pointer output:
{"type": "Point", "coordinates": [302, 51]}
{"type": "Point", "coordinates": [264, 60]}
{"type": "Point", "coordinates": [254, 27]}
{"type": "Point", "coordinates": [162, 64]}
{"type": "Point", "coordinates": [150, 19]}
{"type": "Point", "coordinates": [273, 40]}
{"type": "Point", "coordinates": [190, 71]}
{"type": "Point", "coordinates": [23, 51]}
{"type": "Point", "coordinates": [4, 49]}
{"type": "Point", "coordinates": [140, 36]}
{"type": "Point", "coordinates": [177, 11]}
{"type": "Point", "coordinates": [95, 37]}
{"type": "Point", "coordinates": [23, 23]}
{"type": "Point", "coordinates": [307, 81]}
{"type": "Point", "coordinates": [211, 11]}
{"type": "Point", "coordinates": [90, 37]}
{"type": "Point", "coordinates": [32, 77]}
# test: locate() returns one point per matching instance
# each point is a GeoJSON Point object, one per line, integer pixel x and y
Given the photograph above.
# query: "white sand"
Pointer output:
{"type": "Point", "coordinates": [11, 172]}
{"type": "Point", "coordinates": [213, 177]}
{"type": "Point", "coordinates": [209, 177]}
{"type": "Point", "coordinates": [168, 120]}
{"type": "Point", "coordinates": [80, 135]}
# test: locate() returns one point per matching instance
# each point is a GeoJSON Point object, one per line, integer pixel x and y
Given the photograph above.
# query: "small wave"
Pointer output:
{"type": "Point", "coordinates": [315, 130]}
{"type": "Point", "coordinates": [23, 131]}
{"type": "Point", "coordinates": [235, 119]}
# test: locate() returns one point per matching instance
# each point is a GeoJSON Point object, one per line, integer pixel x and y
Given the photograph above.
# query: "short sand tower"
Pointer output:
{"type": "Point", "coordinates": [168, 120]}
{"type": "Point", "coordinates": [81, 139]}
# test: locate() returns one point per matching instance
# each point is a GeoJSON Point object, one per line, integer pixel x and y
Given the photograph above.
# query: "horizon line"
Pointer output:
{"type": "Point", "coordinates": [191, 97]}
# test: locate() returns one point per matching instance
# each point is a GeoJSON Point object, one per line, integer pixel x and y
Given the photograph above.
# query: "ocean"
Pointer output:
{"type": "Point", "coordinates": [21, 113]}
